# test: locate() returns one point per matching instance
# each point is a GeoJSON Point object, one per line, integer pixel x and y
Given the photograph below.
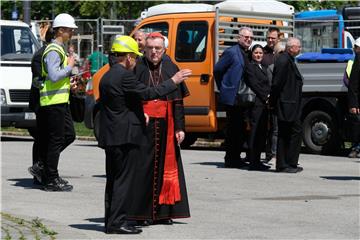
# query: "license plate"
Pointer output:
{"type": "Point", "coordinates": [30, 116]}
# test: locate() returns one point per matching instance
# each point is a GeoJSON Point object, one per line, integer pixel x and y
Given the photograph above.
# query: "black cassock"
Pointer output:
{"type": "Point", "coordinates": [150, 170]}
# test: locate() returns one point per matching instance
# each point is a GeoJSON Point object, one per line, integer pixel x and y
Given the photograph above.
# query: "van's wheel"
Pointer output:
{"type": "Point", "coordinates": [320, 134]}
{"type": "Point", "coordinates": [189, 140]}
{"type": "Point", "coordinates": [97, 125]}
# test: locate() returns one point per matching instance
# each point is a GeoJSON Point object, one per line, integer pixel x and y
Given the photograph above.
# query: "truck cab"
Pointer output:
{"type": "Point", "coordinates": [18, 45]}
{"type": "Point", "coordinates": [197, 35]}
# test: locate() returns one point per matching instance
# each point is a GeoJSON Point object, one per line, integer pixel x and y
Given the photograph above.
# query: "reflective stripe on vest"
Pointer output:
{"type": "Point", "coordinates": [54, 92]}
{"type": "Point", "coordinates": [349, 67]}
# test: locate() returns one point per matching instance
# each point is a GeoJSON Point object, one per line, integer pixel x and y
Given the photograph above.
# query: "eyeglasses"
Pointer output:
{"type": "Point", "coordinates": [68, 29]}
{"type": "Point", "coordinates": [247, 37]}
{"type": "Point", "coordinates": [156, 48]}
{"type": "Point", "coordinates": [271, 38]}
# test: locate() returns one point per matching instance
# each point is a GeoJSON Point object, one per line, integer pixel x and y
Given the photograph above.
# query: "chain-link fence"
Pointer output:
{"type": "Point", "coordinates": [92, 34]}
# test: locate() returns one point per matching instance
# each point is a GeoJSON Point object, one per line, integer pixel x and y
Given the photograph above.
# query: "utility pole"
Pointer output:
{"type": "Point", "coordinates": [27, 11]}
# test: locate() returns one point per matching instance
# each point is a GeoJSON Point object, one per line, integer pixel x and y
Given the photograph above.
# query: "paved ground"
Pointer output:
{"type": "Point", "coordinates": [322, 202]}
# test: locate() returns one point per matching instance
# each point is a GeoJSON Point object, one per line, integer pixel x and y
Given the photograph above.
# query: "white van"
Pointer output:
{"type": "Point", "coordinates": [18, 45]}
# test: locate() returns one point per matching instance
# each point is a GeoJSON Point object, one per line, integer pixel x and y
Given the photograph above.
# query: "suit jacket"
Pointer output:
{"type": "Point", "coordinates": [286, 89]}
{"type": "Point", "coordinates": [354, 84]}
{"type": "Point", "coordinates": [228, 73]}
{"type": "Point", "coordinates": [257, 79]}
{"type": "Point", "coordinates": [121, 114]}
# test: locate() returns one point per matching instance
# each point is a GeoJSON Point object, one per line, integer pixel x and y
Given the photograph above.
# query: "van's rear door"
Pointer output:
{"type": "Point", "coordinates": [193, 49]}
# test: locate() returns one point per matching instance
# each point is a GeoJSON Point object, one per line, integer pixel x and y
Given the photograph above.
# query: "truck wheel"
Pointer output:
{"type": "Point", "coordinates": [320, 133]}
{"type": "Point", "coordinates": [189, 140]}
{"type": "Point", "coordinates": [97, 125]}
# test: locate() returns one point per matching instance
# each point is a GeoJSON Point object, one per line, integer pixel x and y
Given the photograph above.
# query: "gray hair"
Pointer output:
{"type": "Point", "coordinates": [242, 29]}
{"type": "Point", "coordinates": [291, 42]}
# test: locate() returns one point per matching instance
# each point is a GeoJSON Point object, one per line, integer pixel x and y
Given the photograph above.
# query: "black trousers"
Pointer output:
{"type": "Point", "coordinates": [289, 144]}
{"type": "Point", "coordinates": [272, 136]}
{"type": "Point", "coordinates": [120, 172]}
{"type": "Point", "coordinates": [36, 155]}
{"type": "Point", "coordinates": [235, 135]}
{"type": "Point", "coordinates": [257, 140]}
{"type": "Point", "coordinates": [56, 133]}
{"type": "Point", "coordinates": [34, 105]}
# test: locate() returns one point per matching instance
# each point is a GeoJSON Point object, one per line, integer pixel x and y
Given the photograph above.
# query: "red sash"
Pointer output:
{"type": "Point", "coordinates": [170, 191]}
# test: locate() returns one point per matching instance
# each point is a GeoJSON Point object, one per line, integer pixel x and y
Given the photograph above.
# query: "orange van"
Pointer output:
{"type": "Point", "coordinates": [198, 34]}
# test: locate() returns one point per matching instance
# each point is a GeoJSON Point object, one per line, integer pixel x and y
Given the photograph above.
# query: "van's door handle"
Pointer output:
{"type": "Point", "coordinates": [204, 78]}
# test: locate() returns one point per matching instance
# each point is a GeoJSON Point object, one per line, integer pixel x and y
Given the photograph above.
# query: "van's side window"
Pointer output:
{"type": "Point", "coordinates": [191, 40]}
{"type": "Point", "coordinates": [161, 27]}
{"type": "Point", "coordinates": [17, 43]}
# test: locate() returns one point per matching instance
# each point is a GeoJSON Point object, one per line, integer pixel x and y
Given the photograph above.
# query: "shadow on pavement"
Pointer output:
{"type": "Point", "coordinates": [96, 220]}
{"type": "Point", "coordinates": [222, 165]}
{"type": "Point", "coordinates": [93, 227]}
{"type": "Point", "coordinates": [216, 164]}
{"type": "Point", "coordinates": [85, 145]}
{"type": "Point", "coordinates": [16, 139]}
{"type": "Point", "coordinates": [341, 178]}
{"type": "Point", "coordinates": [99, 176]}
{"type": "Point", "coordinates": [25, 183]}
{"type": "Point", "coordinates": [204, 148]}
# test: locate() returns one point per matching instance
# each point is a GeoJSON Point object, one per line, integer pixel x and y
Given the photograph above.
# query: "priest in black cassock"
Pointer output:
{"type": "Point", "coordinates": [160, 191]}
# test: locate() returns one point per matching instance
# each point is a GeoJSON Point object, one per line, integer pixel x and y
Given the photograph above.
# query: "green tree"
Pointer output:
{"type": "Point", "coordinates": [80, 9]}
{"type": "Point", "coordinates": [303, 5]}
{"type": "Point", "coordinates": [127, 9]}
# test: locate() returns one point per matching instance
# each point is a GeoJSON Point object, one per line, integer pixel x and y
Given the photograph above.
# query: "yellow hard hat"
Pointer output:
{"type": "Point", "coordinates": [125, 44]}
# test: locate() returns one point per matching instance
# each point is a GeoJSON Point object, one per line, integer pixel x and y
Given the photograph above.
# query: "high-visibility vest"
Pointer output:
{"type": "Point", "coordinates": [54, 92]}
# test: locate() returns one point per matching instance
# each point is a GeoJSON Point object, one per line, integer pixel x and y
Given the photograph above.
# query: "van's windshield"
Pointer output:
{"type": "Point", "coordinates": [17, 44]}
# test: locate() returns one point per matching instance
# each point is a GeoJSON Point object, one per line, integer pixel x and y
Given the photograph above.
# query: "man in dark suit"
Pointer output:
{"type": "Point", "coordinates": [285, 97]}
{"type": "Point", "coordinates": [122, 128]}
{"type": "Point", "coordinates": [272, 40]}
{"type": "Point", "coordinates": [228, 72]}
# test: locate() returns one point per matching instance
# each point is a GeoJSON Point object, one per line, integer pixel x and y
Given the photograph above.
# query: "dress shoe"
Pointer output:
{"type": "Point", "coordinates": [124, 230]}
{"type": "Point", "coordinates": [63, 180]}
{"type": "Point", "coordinates": [144, 223]}
{"type": "Point", "coordinates": [289, 170]}
{"type": "Point", "coordinates": [258, 167]}
{"type": "Point", "coordinates": [164, 221]}
{"type": "Point", "coordinates": [36, 171]}
{"type": "Point", "coordinates": [298, 169]}
{"type": "Point", "coordinates": [36, 182]}
{"type": "Point", "coordinates": [56, 185]}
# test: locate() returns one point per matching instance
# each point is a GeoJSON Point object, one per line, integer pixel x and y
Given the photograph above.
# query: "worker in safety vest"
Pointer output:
{"type": "Point", "coordinates": [55, 121]}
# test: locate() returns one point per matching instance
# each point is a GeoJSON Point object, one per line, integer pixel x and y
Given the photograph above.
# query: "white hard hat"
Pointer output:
{"type": "Point", "coordinates": [64, 20]}
{"type": "Point", "coordinates": [357, 42]}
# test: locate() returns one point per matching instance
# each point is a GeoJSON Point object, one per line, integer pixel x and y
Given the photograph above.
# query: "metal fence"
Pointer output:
{"type": "Point", "coordinates": [92, 34]}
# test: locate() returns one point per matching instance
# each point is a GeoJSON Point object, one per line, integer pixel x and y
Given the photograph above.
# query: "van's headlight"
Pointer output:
{"type": "Point", "coordinates": [2, 97]}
